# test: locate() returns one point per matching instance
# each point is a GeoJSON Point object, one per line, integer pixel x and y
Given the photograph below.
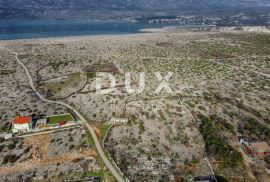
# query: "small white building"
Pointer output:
{"type": "Point", "coordinates": [118, 121]}
{"type": "Point", "coordinates": [41, 123]}
{"type": "Point", "coordinates": [8, 136]}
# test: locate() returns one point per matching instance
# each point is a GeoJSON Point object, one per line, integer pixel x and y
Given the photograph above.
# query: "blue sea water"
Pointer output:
{"type": "Point", "coordinates": [26, 29]}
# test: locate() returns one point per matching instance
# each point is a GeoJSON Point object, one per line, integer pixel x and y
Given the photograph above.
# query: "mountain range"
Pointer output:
{"type": "Point", "coordinates": [102, 9]}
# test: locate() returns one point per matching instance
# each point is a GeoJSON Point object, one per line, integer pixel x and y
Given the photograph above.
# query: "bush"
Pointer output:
{"type": "Point", "coordinates": [141, 127]}
{"type": "Point", "coordinates": [216, 145]}
{"type": "Point", "coordinates": [71, 139]}
{"type": "Point", "coordinates": [221, 179]}
{"type": "Point", "coordinates": [227, 125]}
{"type": "Point", "coordinates": [2, 147]}
{"type": "Point", "coordinates": [11, 146]}
{"type": "Point", "coordinates": [257, 128]}
{"type": "Point", "coordinates": [10, 159]}
{"type": "Point", "coordinates": [71, 147]}
{"type": "Point", "coordinates": [26, 150]}
{"type": "Point", "coordinates": [267, 159]}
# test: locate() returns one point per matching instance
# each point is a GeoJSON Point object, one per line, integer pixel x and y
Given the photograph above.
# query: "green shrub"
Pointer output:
{"type": "Point", "coordinates": [10, 159]}
{"type": "Point", "coordinates": [26, 150]}
{"type": "Point", "coordinates": [71, 139]}
{"type": "Point", "coordinates": [2, 147]}
{"type": "Point", "coordinates": [71, 147]}
{"type": "Point", "coordinates": [141, 127]}
{"type": "Point", "coordinates": [11, 146]}
{"type": "Point", "coordinates": [257, 128]}
{"type": "Point", "coordinates": [215, 145]}
{"type": "Point", "coordinates": [226, 125]}
{"type": "Point", "coordinates": [221, 179]}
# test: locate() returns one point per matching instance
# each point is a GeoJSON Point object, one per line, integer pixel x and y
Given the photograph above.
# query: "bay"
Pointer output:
{"type": "Point", "coordinates": [27, 29]}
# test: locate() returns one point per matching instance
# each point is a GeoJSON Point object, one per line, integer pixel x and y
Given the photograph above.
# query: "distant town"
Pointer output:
{"type": "Point", "coordinates": [241, 19]}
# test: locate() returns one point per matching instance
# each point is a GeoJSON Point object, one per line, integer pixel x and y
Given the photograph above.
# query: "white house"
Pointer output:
{"type": "Point", "coordinates": [21, 124]}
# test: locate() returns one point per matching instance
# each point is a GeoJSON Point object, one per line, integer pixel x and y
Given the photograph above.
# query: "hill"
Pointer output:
{"type": "Point", "coordinates": [104, 9]}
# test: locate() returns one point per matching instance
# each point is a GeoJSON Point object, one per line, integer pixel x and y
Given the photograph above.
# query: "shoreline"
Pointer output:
{"type": "Point", "coordinates": [165, 29]}
{"type": "Point", "coordinates": [257, 29]}
{"type": "Point", "coordinates": [70, 38]}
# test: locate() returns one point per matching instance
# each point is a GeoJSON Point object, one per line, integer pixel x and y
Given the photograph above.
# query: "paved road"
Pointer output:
{"type": "Point", "coordinates": [101, 153]}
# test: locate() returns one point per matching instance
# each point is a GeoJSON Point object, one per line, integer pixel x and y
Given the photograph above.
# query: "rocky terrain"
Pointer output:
{"type": "Point", "coordinates": [65, 155]}
{"type": "Point", "coordinates": [17, 97]}
{"type": "Point", "coordinates": [220, 93]}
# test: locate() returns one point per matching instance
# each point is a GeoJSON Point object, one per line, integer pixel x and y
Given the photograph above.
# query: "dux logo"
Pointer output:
{"type": "Point", "coordinates": [163, 85]}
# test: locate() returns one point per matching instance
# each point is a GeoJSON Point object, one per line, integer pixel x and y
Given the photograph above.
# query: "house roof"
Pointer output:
{"type": "Point", "coordinates": [42, 121]}
{"type": "Point", "coordinates": [260, 147]}
{"type": "Point", "coordinates": [21, 120]}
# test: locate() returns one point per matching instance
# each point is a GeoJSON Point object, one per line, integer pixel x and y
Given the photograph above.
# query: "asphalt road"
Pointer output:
{"type": "Point", "coordinates": [101, 153]}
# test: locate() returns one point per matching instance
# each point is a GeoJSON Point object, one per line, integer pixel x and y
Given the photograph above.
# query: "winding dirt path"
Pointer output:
{"type": "Point", "coordinates": [116, 173]}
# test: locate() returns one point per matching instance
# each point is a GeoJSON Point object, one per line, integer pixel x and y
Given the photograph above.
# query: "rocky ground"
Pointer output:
{"type": "Point", "coordinates": [45, 157]}
{"type": "Point", "coordinates": [220, 91]}
{"type": "Point", "coordinates": [56, 157]}
{"type": "Point", "coordinates": [17, 98]}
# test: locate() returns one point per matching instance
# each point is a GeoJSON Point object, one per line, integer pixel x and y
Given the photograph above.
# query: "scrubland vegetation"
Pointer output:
{"type": "Point", "coordinates": [221, 78]}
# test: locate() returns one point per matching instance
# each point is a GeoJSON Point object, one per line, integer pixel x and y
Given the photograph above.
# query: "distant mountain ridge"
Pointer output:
{"type": "Point", "coordinates": [115, 8]}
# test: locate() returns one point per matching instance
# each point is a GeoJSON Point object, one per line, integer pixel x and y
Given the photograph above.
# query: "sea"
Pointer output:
{"type": "Point", "coordinates": [28, 29]}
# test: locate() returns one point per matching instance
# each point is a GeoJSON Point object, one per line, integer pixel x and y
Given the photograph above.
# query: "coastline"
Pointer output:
{"type": "Point", "coordinates": [146, 32]}
{"type": "Point", "coordinates": [257, 29]}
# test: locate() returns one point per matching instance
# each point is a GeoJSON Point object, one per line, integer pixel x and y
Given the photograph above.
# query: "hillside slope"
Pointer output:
{"type": "Point", "coordinates": [115, 8]}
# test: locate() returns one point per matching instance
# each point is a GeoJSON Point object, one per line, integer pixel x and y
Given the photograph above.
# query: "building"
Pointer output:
{"type": "Point", "coordinates": [21, 124]}
{"type": "Point", "coordinates": [256, 149]}
{"type": "Point", "coordinates": [8, 136]}
{"type": "Point", "coordinates": [25, 124]}
{"type": "Point", "coordinates": [41, 123]}
{"type": "Point", "coordinates": [118, 121]}
{"type": "Point", "coordinates": [260, 149]}
{"type": "Point", "coordinates": [246, 146]}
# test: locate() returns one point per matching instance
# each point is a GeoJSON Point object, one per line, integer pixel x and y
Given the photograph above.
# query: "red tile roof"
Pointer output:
{"type": "Point", "coordinates": [21, 120]}
{"type": "Point", "coordinates": [260, 147]}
